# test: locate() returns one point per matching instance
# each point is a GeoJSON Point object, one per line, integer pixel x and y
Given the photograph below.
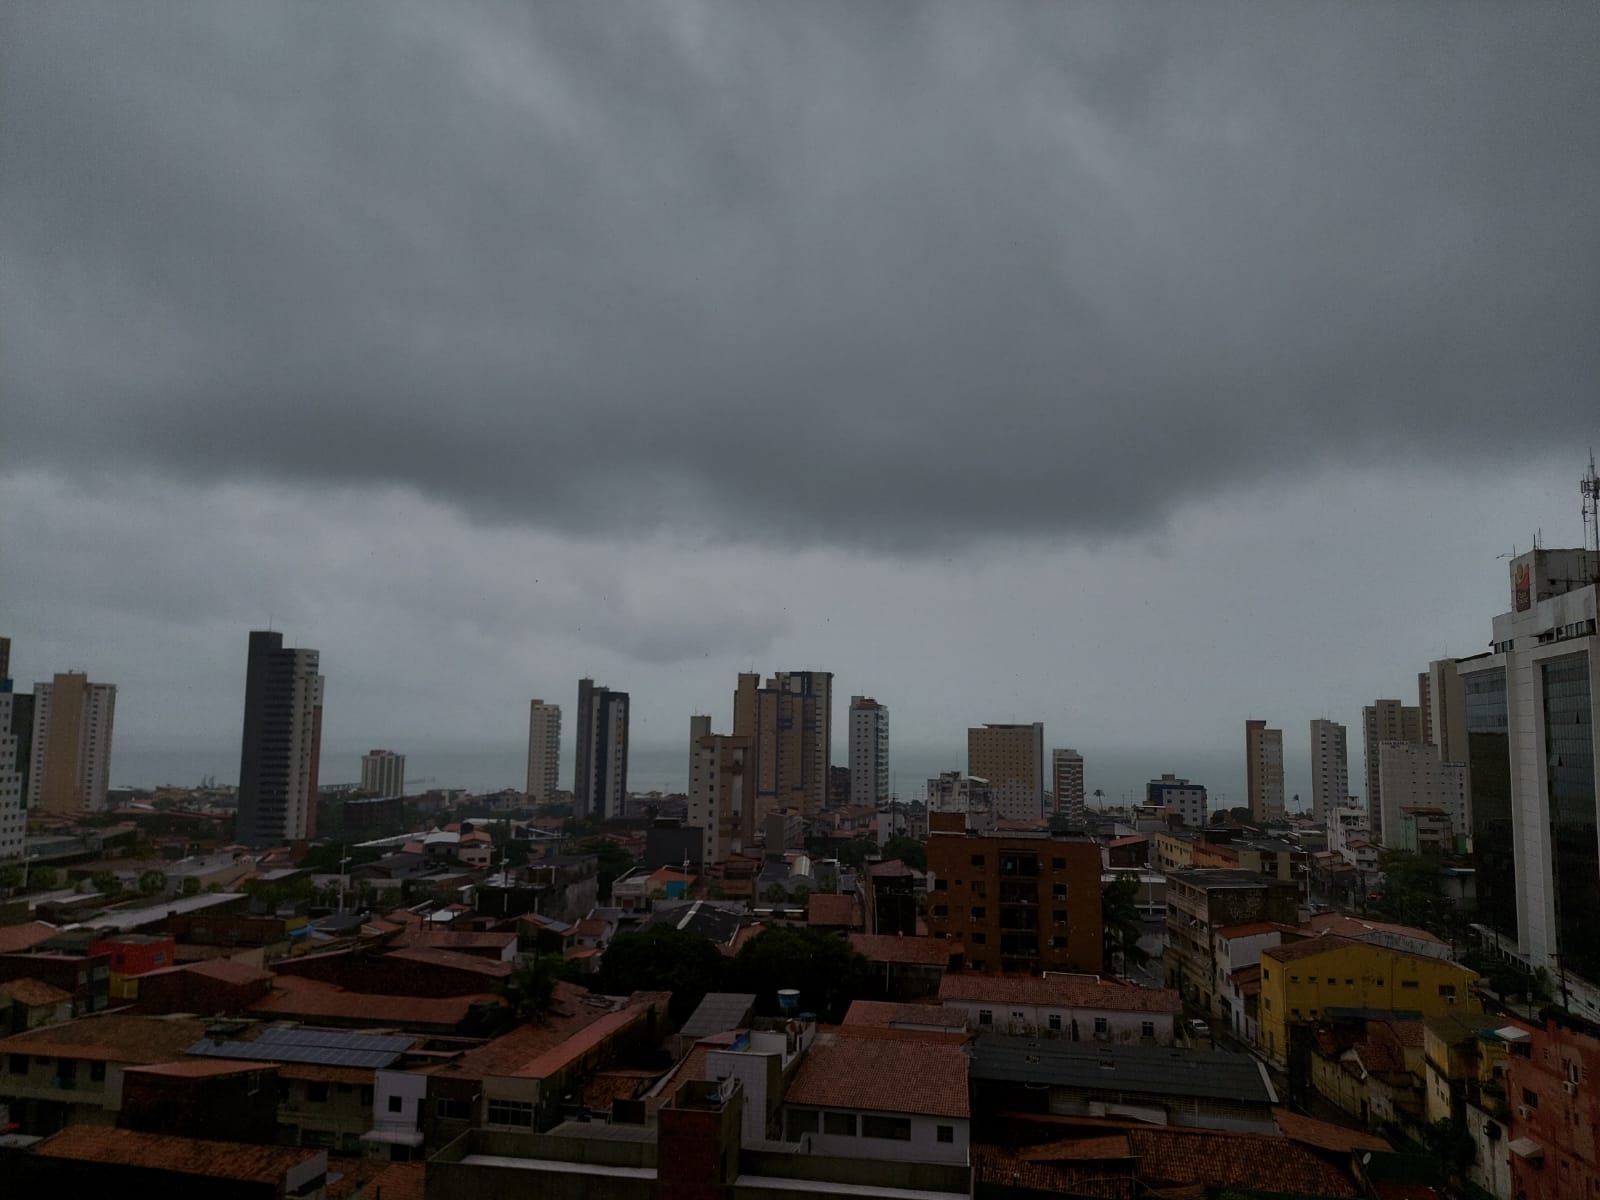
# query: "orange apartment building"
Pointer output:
{"type": "Point", "coordinates": [1015, 902]}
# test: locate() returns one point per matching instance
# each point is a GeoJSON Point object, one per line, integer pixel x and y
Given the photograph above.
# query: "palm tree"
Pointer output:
{"type": "Point", "coordinates": [1121, 923]}
{"type": "Point", "coordinates": [1099, 798]}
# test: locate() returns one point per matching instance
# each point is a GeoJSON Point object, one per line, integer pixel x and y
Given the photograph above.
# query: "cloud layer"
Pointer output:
{"type": "Point", "coordinates": [891, 278]}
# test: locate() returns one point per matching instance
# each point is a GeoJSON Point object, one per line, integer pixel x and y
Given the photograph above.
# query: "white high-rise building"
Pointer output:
{"type": "Point", "coordinates": [722, 802]}
{"type": "Point", "coordinates": [1411, 775]}
{"type": "Point", "coordinates": [383, 773]}
{"type": "Point", "coordinates": [72, 721]}
{"type": "Point", "coordinates": [1532, 745]}
{"type": "Point", "coordinates": [13, 810]}
{"type": "Point", "coordinates": [1330, 767]}
{"type": "Point", "coordinates": [869, 751]}
{"type": "Point", "coordinates": [1066, 777]}
{"type": "Point", "coordinates": [544, 751]}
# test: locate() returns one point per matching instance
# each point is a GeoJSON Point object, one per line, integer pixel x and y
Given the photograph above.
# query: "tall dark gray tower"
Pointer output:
{"type": "Point", "coordinates": [280, 751]}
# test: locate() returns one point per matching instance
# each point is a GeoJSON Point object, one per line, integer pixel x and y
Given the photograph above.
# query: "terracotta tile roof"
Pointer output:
{"type": "Point", "coordinates": [399, 1181]}
{"type": "Point", "coordinates": [320, 1073]}
{"type": "Point", "coordinates": [1131, 839]}
{"type": "Point", "coordinates": [910, 1075]}
{"type": "Point", "coordinates": [1346, 925]}
{"type": "Point", "coordinates": [16, 938]}
{"type": "Point", "coordinates": [1325, 1135]}
{"type": "Point", "coordinates": [559, 1056]}
{"type": "Point", "coordinates": [886, 1015]}
{"type": "Point", "coordinates": [1248, 980]}
{"type": "Point", "coordinates": [1005, 1166]}
{"type": "Point", "coordinates": [1308, 948]}
{"type": "Point", "coordinates": [292, 996]}
{"type": "Point", "coordinates": [110, 1037]}
{"type": "Point", "coordinates": [33, 993]}
{"type": "Point", "coordinates": [511, 1051]}
{"type": "Point", "coordinates": [591, 927]}
{"type": "Point", "coordinates": [182, 1156]}
{"type": "Point", "coordinates": [605, 1086]}
{"type": "Point", "coordinates": [1263, 1162]}
{"type": "Point", "coordinates": [227, 971]}
{"type": "Point", "coordinates": [893, 869]}
{"type": "Point", "coordinates": [1379, 1057]}
{"type": "Point", "coordinates": [1254, 929]}
{"type": "Point", "coordinates": [1408, 1033]}
{"type": "Point", "coordinates": [491, 967]}
{"type": "Point", "coordinates": [1109, 1146]}
{"type": "Point", "coordinates": [1060, 991]}
{"type": "Point", "coordinates": [201, 1068]}
{"type": "Point", "coordinates": [825, 909]}
{"type": "Point", "coordinates": [919, 951]}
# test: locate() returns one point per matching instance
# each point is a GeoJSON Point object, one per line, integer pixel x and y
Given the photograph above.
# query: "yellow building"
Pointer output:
{"type": "Point", "coordinates": [1323, 976]}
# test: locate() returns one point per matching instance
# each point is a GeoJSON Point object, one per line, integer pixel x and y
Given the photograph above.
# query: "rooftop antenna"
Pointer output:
{"type": "Point", "coordinates": [1589, 487]}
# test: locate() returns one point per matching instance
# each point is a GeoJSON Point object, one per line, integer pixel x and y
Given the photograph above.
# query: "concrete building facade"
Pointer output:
{"type": "Point", "coordinates": [1384, 721]}
{"type": "Point", "coordinates": [1330, 767]}
{"type": "Point", "coordinates": [600, 770]}
{"type": "Point", "coordinates": [1179, 798]}
{"type": "Point", "coordinates": [280, 751]}
{"type": "Point", "coordinates": [1066, 784]}
{"type": "Point", "coordinates": [1411, 775]}
{"type": "Point", "coordinates": [1011, 758]}
{"type": "Point", "coordinates": [1532, 747]}
{"type": "Point", "coordinates": [71, 749]}
{"type": "Point", "coordinates": [383, 773]}
{"type": "Point", "coordinates": [13, 807]}
{"type": "Point", "coordinates": [1263, 754]}
{"type": "Point", "coordinates": [544, 751]}
{"type": "Point", "coordinates": [869, 751]}
{"type": "Point", "coordinates": [722, 803]}
{"type": "Point", "coordinates": [790, 724]}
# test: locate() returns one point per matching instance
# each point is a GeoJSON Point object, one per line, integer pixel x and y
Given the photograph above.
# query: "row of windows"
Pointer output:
{"type": "Point", "coordinates": [66, 1069]}
{"type": "Point", "coordinates": [867, 1125]}
{"type": "Point", "coordinates": [1054, 1021]}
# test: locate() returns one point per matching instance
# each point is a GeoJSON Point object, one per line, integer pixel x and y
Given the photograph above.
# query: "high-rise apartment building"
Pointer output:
{"type": "Point", "coordinates": [71, 751]}
{"type": "Point", "coordinates": [790, 724]}
{"type": "Point", "coordinates": [953, 792]}
{"type": "Point", "coordinates": [1066, 778]}
{"type": "Point", "coordinates": [1015, 902]}
{"type": "Point", "coordinates": [1442, 719]}
{"type": "Point", "coordinates": [1384, 721]}
{"type": "Point", "coordinates": [1532, 745]}
{"type": "Point", "coordinates": [1330, 767]}
{"type": "Point", "coordinates": [383, 773]}
{"type": "Point", "coordinates": [869, 751]}
{"type": "Point", "coordinates": [1179, 797]}
{"type": "Point", "coordinates": [13, 805]}
{"type": "Point", "coordinates": [281, 750]}
{"type": "Point", "coordinates": [1263, 761]}
{"type": "Point", "coordinates": [544, 751]}
{"type": "Point", "coordinates": [721, 796]}
{"type": "Point", "coordinates": [1011, 758]}
{"type": "Point", "coordinates": [600, 773]}
{"type": "Point", "coordinates": [1412, 775]}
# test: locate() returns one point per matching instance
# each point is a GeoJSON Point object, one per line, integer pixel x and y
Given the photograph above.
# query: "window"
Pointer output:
{"type": "Point", "coordinates": [366, 1097]}
{"type": "Point", "coordinates": [17, 1064]}
{"type": "Point", "coordinates": [1294, 979]}
{"type": "Point", "coordinates": [1059, 916]}
{"type": "Point", "coordinates": [1311, 979]}
{"type": "Point", "coordinates": [511, 1112]}
{"type": "Point", "coordinates": [939, 910]}
{"type": "Point", "coordinates": [1349, 983]}
{"type": "Point", "coordinates": [1058, 864]}
{"type": "Point", "coordinates": [895, 1129]}
{"type": "Point", "coordinates": [1058, 891]}
{"type": "Point", "coordinates": [1409, 985]}
{"type": "Point", "coordinates": [1055, 1020]}
{"type": "Point", "coordinates": [945, 1133]}
{"type": "Point", "coordinates": [985, 1016]}
{"type": "Point", "coordinates": [802, 1120]}
{"type": "Point", "coordinates": [97, 1072]}
{"type": "Point", "coordinates": [1016, 1014]}
{"type": "Point", "coordinates": [396, 1104]}
{"type": "Point", "coordinates": [317, 1093]}
{"type": "Point", "coordinates": [1059, 941]}
{"type": "Point", "coordinates": [1531, 1099]}
{"type": "Point", "coordinates": [979, 912]}
{"type": "Point", "coordinates": [450, 1109]}
{"type": "Point", "coordinates": [941, 885]}
{"type": "Point", "coordinates": [67, 1072]}
{"type": "Point", "coordinates": [839, 1124]}
{"type": "Point", "coordinates": [1147, 1029]}
{"type": "Point", "coordinates": [977, 860]}
{"type": "Point", "coordinates": [1101, 1025]}
{"type": "Point", "coordinates": [979, 939]}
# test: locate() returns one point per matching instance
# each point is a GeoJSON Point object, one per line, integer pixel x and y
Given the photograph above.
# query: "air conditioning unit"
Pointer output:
{"type": "Point", "coordinates": [1571, 1085]}
{"type": "Point", "coordinates": [1524, 1111]}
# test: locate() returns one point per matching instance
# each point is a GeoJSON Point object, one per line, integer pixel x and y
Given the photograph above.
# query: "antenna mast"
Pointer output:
{"type": "Point", "coordinates": [1589, 486]}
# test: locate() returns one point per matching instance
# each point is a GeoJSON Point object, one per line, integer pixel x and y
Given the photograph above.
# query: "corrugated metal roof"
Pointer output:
{"type": "Point", "coordinates": [1105, 1066]}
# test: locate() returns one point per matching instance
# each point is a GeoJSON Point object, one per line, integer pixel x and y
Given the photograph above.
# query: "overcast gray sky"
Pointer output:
{"type": "Point", "coordinates": [1134, 368]}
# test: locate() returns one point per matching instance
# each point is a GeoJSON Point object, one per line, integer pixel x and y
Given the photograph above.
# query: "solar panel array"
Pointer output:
{"type": "Point", "coordinates": [327, 1047]}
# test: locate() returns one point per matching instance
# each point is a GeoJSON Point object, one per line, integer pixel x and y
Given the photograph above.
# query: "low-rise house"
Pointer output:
{"type": "Point", "coordinates": [85, 977]}
{"type": "Point", "coordinates": [921, 1018]}
{"type": "Point", "coordinates": [217, 985]}
{"type": "Point", "coordinates": [1235, 947]}
{"type": "Point", "coordinates": [217, 1099]}
{"type": "Point", "coordinates": [887, 1097]}
{"type": "Point", "coordinates": [1074, 1007]}
{"type": "Point", "coordinates": [1372, 1070]}
{"type": "Point", "coordinates": [29, 1003]}
{"type": "Point", "coordinates": [88, 1160]}
{"type": "Point", "coordinates": [71, 1074]}
{"type": "Point", "coordinates": [907, 968]}
{"type": "Point", "coordinates": [1201, 902]}
{"type": "Point", "coordinates": [1210, 1089]}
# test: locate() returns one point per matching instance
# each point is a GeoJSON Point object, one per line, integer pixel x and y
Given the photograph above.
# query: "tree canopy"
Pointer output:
{"type": "Point", "coordinates": [1122, 925]}
{"type": "Point", "coordinates": [908, 850]}
{"type": "Point", "coordinates": [662, 958]}
{"type": "Point", "coordinates": [614, 861]}
{"type": "Point", "coordinates": [823, 967]}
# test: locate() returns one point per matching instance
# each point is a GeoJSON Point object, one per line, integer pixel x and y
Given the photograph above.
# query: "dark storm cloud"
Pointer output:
{"type": "Point", "coordinates": [879, 275]}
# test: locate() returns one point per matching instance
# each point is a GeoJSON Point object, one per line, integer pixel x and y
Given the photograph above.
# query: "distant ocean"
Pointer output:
{"type": "Point", "coordinates": [1120, 774]}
